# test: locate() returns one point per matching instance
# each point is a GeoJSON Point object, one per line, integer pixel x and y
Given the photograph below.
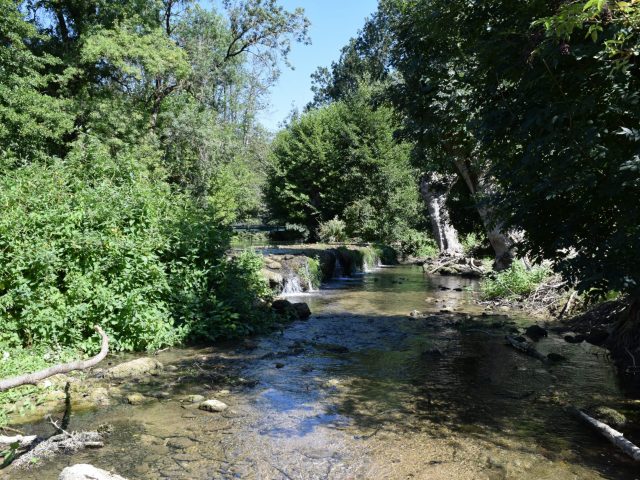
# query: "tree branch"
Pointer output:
{"type": "Point", "coordinates": [33, 378]}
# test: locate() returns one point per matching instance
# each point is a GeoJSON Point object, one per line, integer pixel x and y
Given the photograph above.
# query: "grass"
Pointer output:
{"type": "Point", "coordinates": [18, 361]}
{"type": "Point", "coordinates": [514, 283]}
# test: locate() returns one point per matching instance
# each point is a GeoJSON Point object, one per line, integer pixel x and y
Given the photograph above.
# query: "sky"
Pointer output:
{"type": "Point", "coordinates": [333, 23]}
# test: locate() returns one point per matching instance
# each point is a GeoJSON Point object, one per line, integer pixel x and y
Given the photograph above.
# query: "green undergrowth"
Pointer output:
{"type": "Point", "coordinates": [515, 282]}
{"type": "Point", "coordinates": [312, 273]}
{"type": "Point", "coordinates": [19, 361]}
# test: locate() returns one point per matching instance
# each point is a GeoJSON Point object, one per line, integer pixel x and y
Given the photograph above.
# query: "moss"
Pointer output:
{"type": "Point", "coordinates": [315, 273]}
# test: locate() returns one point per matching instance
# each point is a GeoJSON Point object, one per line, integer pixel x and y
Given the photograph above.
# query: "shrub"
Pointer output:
{"type": "Point", "coordinates": [332, 231]}
{"type": "Point", "coordinates": [232, 307]}
{"type": "Point", "coordinates": [97, 240]}
{"type": "Point", "coordinates": [514, 282]}
{"type": "Point", "coordinates": [417, 244]}
{"type": "Point", "coordinates": [471, 242]}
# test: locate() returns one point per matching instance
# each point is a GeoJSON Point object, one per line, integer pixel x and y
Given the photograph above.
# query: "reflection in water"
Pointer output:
{"type": "Point", "coordinates": [365, 391]}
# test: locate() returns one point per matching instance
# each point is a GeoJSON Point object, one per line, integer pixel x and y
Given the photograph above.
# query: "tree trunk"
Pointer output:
{"type": "Point", "coordinates": [480, 186]}
{"type": "Point", "coordinates": [435, 188]}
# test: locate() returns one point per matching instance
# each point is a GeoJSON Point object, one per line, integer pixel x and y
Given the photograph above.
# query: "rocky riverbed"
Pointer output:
{"type": "Point", "coordinates": [362, 389]}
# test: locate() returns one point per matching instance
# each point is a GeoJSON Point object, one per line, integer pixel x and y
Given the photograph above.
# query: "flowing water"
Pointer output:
{"type": "Point", "coordinates": [362, 390]}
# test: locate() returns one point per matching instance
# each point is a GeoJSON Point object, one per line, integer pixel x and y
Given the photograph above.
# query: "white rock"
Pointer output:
{"type": "Point", "coordinates": [213, 406]}
{"type": "Point", "coordinates": [83, 471]}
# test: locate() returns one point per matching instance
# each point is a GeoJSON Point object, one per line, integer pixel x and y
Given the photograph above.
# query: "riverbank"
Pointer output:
{"type": "Point", "coordinates": [363, 389]}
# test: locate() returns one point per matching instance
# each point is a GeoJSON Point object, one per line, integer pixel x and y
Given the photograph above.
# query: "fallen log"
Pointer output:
{"type": "Point", "coordinates": [34, 378]}
{"type": "Point", "coordinates": [526, 348]}
{"type": "Point", "coordinates": [614, 436]}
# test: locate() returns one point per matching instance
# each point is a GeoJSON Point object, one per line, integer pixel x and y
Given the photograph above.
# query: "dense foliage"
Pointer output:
{"type": "Point", "coordinates": [128, 145]}
{"type": "Point", "coordinates": [539, 101]}
{"type": "Point", "coordinates": [342, 160]}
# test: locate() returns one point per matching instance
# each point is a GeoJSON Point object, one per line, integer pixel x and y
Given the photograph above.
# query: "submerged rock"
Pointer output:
{"type": "Point", "coordinates": [303, 310]}
{"type": "Point", "coordinates": [213, 405]}
{"type": "Point", "coordinates": [574, 338]}
{"type": "Point", "coordinates": [194, 398]}
{"type": "Point", "coordinates": [135, 368]}
{"type": "Point", "coordinates": [536, 332]}
{"type": "Point", "coordinates": [597, 336]}
{"type": "Point", "coordinates": [556, 357]}
{"type": "Point", "coordinates": [136, 399]}
{"type": "Point", "coordinates": [83, 471]}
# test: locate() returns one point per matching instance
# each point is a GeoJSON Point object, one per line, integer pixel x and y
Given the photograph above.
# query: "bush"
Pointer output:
{"type": "Point", "coordinates": [332, 231]}
{"type": "Point", "coordinates": [232, 308]}
{"type": "Point", "coordinates": [515, 282]}
{"type": "Point", "coordinates": [417, 244]}
{"type": "Point", "coordinates": [98, 240]}
{"type": "Point", "coordinates": [471, 242]}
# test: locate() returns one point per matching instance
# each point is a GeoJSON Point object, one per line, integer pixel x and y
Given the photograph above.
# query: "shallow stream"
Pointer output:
{"type": "Point", "coordinates": [363, 390]}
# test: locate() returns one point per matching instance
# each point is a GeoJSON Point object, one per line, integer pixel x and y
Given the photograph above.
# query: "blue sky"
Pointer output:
{"type": "Point", "coordinates": [333, 22]}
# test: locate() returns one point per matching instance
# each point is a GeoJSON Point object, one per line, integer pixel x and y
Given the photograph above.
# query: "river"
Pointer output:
{"type": "Point", "coordinates": [362, 390]}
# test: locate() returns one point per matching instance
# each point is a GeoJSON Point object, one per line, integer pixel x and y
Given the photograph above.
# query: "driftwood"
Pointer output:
{"type": "Point", "coordinates": [62, 443]}
{"type": "Point", "coordinates": [23, 441]}
{"type": "Point", "coordinates": [567, 306]}
{"type": "Point", "coordinates": [34, 378]}
{"type": "Point", "coordinates": [526, 348]}
{"type": "Point", "coordinates": [614, 436]}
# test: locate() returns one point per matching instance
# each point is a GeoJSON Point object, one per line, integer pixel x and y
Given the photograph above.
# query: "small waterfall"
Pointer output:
{"type": "Point", "coordinates": [292, 285]}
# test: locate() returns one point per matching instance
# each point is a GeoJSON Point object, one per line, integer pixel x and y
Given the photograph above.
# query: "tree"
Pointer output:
{"type": "Point", "coordinates": [33, 123]}
{"type": "Point", "coordinates": [343, 160]}
{"type": "Point", "coordinates": [434, 51]}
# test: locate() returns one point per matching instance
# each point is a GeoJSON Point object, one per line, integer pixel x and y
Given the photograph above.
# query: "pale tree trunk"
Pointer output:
{"type": "Point", "coordinates": [501, 241]}
{"type": "Point", "coordinates": [435, 188]}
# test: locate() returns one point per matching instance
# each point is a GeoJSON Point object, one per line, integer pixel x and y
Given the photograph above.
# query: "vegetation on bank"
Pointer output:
{"type": "Point", "coordinates": [129, 145]}
{"type": "Point", "coordinates": [515, 283]}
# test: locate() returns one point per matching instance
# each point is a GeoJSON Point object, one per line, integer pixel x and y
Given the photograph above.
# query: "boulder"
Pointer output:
{"type": "Point", "coordinates": [535, 332]}
{"type": "Point", "coordinates": [282, 306]}
{"type": "Point", "coordinates": [83, 471]}
{"type": "Point", "coordinates": [275, 279]}
{"type": "Point", "coordinates": [136, 399]}
{"type": "Point", "coordinates": [272, 264]}
{"type": "Point", "coordinates": [213, 405]}
{"type": "Point", "coordinates": [302, 309]}
{"type": "Point", "coordinates": [135, 368]}
{"type": "Point", "coordinates": [597, 336]}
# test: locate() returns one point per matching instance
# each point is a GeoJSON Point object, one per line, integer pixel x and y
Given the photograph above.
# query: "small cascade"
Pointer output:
{"type": "Point", "coordinates": [292, 285]}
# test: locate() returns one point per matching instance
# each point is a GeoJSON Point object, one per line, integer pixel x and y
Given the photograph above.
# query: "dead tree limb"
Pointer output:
{"type": "Point", "coordinates": [609, 433]}
{"type": "Point", "coordinates": [34, 378]}
{"type": "Point", "coordinates": [526, 348]}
